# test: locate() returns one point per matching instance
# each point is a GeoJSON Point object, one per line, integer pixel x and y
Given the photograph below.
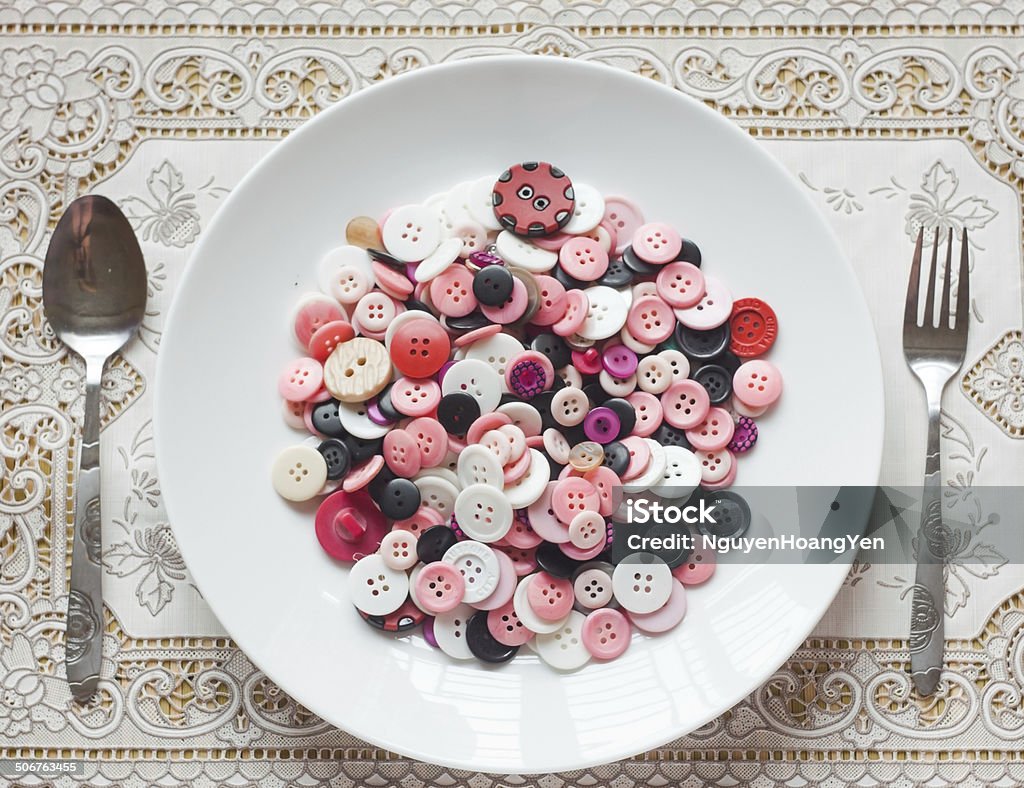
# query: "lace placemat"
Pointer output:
{"type": "Point", "coordinates": [893, 115]}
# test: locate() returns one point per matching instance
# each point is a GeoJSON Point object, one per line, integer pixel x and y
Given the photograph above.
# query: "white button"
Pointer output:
{"type": "Point", "coordinates": [479, 465]}
{"type": "Point", "coordinates": [588, 212]}
{"type": "Point", "coordinates": [713, 309]}
{"type": "Point", "coordinates": [645, 289]}
{"type": "Point", "coordinates": [412, 232]}
{"type": "Point", "coordinates": [606, 313]}
{"type": "Point", "coordinates": [298, 473]}
{"type": "Point", "coordinates": [496, 352]}
{"type": "Point", "coordinates": [642, 583]}
{"type": "Point", "coordinates": [556, 446]}
{"type": "Point", "coordinates": [653, 374]}
{"type": "Point", "coordinates": [678, 364]}
{"type": "Point", "coordinates": [438, 261]}
{"type": "Point", "coordinates": [398, 549]}
{"type": "Point", "coordinates": [533, 622]}
{"type": "Point", "coordinates": [633, 343]}
{"type": "Point", "coordinates": [515, 439]}
{"type": "Point", "coordinates": [681, 475]}
{"type": "Point", "coordinates": [478, 566]}
{"type": "Point", "coordinates": [571, 376]}
{"type": "Point", "coordinates": [450, 631]}
{"type": "Point", "coordinates": [415, 573]}
{"type": "Point", "coordinates": [376, 588]}
{"type": "Point", "coordinates": [354, 419]}
{"type": "Point", "coordinates": [652, 475]}
{"type": "Point", "coordinates": [483, 513]}
{"type": "Point", "coordinates": [520, 494]}
{"type": "Point", "coordinates": [617, 387]}
{"type": "Point", "coordinates": [472, 236]}
{"type": "Point", "coordinates": [563, 649]}
{"type": "Point", "coordinates": [312, 298]}
{"type": "Point", "coordinates": [523, 254]}
{"type": "Point", "coordinates": [587, 530]}
{"type": "Point", "coordinates": [476, 378]}
{"type": "Point", "coordinates": [570, 406]}
{"type": "Point", "coordinates": [524, 416]}
{"type": "Point", "coordinates": [481, 206]}
{"type": "Point", "coordinates": [592, 586]}
{"type": "Point", "coordinates": [456, 204]}
{"type": "Point", "coordinates": [445, 471]}
{"type": "Point", "coordinates": [346, 274]}
{"type": "Point", "coordinates": [497, 444]}
{"type": "Point", "coordinates": [437, 493]}
{"type": "Point", "coordinates": [404, 317]}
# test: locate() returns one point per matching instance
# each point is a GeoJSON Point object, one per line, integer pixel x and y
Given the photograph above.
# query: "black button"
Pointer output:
{"type": "Point", "coordinates": [457, 411]}
{"type": "Point", "coordinates": [716, 381]}
{"type": "Point", "coordinates": [380, 481]}
{"type": "Point", "coordinates": [636, 265]}
{"type": "Point", "coordinates": [667, 435]}
{"type": "Point", "coordinates": [434, 542]}
{"type": "Point", "coordinates": [727, 359]}
{"type": "Point", "coordinates": [575, 434]}
{"type": "Point", "coordinates": [596, 394]}
{"type": "Point", "coordinates": [617, 275]}
{"type": "Point", "coordinates": [507, 398]}
{"type": "Point", "coordinates": [616, 457]}
{"type": "Point", "coordinates": [554, 347]}
{"type": "Point", "coordinates": [702, 344]}
{"type": "Point", "coordinates": [675, 553]}
{"type": "Point", "coordinates": [338, 457]}
{"type": "Point", "coordinates": [362, 449]}
{"type": "Point", "coordinates": [492, 285]}
{"type": "Point", "coordinates": [567, 281]}
{"type": "Point", "coordinates": [386, 407]}
{"type": "Point", "coordinates": [482, 643]}
{"type": "Point", "coordinates": [326, 419]}
{"type": "Point", "coordinates": [419, 306]}
{"type": "Point", "coordinates": [552, 560]}
{"type": "Point", "coordinates": [407, 617]}
{"type": "Point", "coordinates": [542, 402]}
{"type": "Point", "coordinates": [400, 499]}
{"type": "Point", "coordinates": [731, 514]}
{"type": "Point", "coordinates": [554, 468]}
{"type": "Point", "coordinates": [388, 260]}
{"type": "Point", "coordinates": [470, 322]}
{"type": "Point", "coordinates": [626, 414]}
{"type": "Point", "coordinates": [690, 253]}
{"type": "Point", "coordinates": [557, 383]}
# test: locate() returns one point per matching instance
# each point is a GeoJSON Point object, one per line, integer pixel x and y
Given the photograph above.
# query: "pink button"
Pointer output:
{"type": "Point", "coordinates": [581, 553]}
{"type": "Point", "coordinates": [431, 439]}
{"type": "Point", "coordinates": [529, 373]}
{"type": "Point", "coordinates": [650, 320]}
{"type": "Point", "coordinates": [552, 243]}
{"type": "Point", "coordinates": [415, 396]}
{"type": "Point", "coordinates": [576, 306]}
{"type": "Point", "coordinates": [657, 243]}
{"type": "Point", "coordinates": [680, 284]}
{"type": "Point", "coordinates": [555, 445]}
{"type": "Point", "coordinates": [521, 534]}
{"type": "Point", "coordinates": [293, 417]}
{"type": "Point", "coordinates": [746, 410]}
{"type": "Point", "coordinates": [516, 440]}
{"type": "Point", "coordinates": [583, 258]}
{"type": "Point", "coordinates": [552, 301]}
{"type": "Point", "coordinates": [714, 432]}
{"type": "Point", "coordinates": [649, 413]}
{"type": "Point", "coordinates": [349, 526]}
{"type": "Point", "coordinates": [619, 361]}
{"type": "Point", "coordinates": [593, 588]}
{"type": "Point", "coordinates": [572, 496]}
{"type": "Point", "coordinates": [608, 486]}
{"type": "Point", "coordinates": [549, 597]}
{"type": "Point", "coordinates": [624, 217]}
{"type": "Point", "coordinates": [513, 308]}
{"type": "Point", "coordinates": [362, 475]}
{"type": "Point", "coordinates": [713, 308]}
{"type": "Point", "coordinates": [376, 310]}
{"type": "Point", "coordinates": [716, 467]}
{"type": "Point", "coordinates": [523, 559]}
{"type": "Point", "coordinates": [667, 616]}
{"type": "Point", "coordinates": [639, 456]}
{"type": "Point", "coordinates": [328, 337]}
{"type": "Point", "coordinates": [422, 519]}
{"type": "Point", "coordinates": [606, 633]}
{"type": "Point", "coordinates": [757, 383]}
{"type": "Point", "coordinates": [505, 626]}
{"type": "Point", "coordinates": [300, 379]}
{"type": "Point", "coordinates": [685, 404]}
{"type": "Point", "coordinates": [586, 530]}
{"type": "Point", "coordinates": [543, 519]}
{"type": "Point", "coordinates": [402, 454]}
{"type": "Point", "coordinates": [451, 291]}
{"type": "Point", "coordinates": [588, 361]}
{"type": "Point", "coordinates": [476, 335]}
{"type": "Point", "coordinates": [483, 425]}
{"type": "Point", "coordinates": [699, 567]}
{"type": "Point", "coordinates": [506, 587]}
{"type": "Point", "coordinates": [318, 311]}
{"type": "Point", "coordinates": [396, 283]}
{"type": "Point", "coordinates": [516, 469]}
{"type": "Point", "coordinates": [439, 587]}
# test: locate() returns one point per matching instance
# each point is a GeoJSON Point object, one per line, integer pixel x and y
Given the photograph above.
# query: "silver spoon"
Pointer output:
{"type": "Point", "coordinates": [94, 295]}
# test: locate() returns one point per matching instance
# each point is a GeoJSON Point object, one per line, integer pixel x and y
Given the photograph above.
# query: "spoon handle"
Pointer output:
{"type": "Point", "coordinates": [84, 638]}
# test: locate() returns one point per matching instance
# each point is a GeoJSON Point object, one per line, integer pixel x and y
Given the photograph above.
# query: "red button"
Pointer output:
{"type": "Point", "coordinates": [420, 348]}
{"type": "Point", "coordinates": [753, 327]}
{"type": "Point", "coordinates": [349, 525]}
{"type": "Point", "coordinates": [533, 198]}
{"type": "Point", "coordinates": [328, 337]}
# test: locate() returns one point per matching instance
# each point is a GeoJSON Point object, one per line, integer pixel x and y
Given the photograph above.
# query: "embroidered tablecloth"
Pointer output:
{"type": "Point", "coordinates": [892, 113]}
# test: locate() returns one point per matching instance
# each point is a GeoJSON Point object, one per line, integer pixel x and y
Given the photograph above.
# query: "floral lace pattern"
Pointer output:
{"type": "Point", "coordinates": [77, 112]}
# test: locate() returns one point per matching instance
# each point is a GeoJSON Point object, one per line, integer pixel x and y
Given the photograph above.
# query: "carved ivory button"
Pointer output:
{"type": "Point", "coordinates": [357, 370]}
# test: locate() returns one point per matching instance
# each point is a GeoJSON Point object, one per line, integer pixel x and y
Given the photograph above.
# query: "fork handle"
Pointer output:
{"type": "Point", "coordinates": [927, 618]}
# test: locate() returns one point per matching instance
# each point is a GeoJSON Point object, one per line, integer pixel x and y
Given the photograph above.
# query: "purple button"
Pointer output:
{"type": "Point", "coordinates": [619, 361]}
{"type": "Point", "coordinates": [444, 368]}
{"type": "Point", "coordinates": [428, 631]}
{"type": "Point", "coordinates": [374, 414]}
{"type": "Point", "coordinates": [745, 435]}
{"type": "Point", "coordinates": [483, 259]}
{"type": "Point", "coordinates": [602, 425]}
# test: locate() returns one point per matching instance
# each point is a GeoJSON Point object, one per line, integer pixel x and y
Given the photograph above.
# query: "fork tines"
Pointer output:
{"type": "Point", "coordinates": [928, 324]}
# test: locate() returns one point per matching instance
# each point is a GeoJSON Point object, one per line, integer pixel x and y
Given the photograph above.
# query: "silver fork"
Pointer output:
{"type": "Point", "coordinates": [934, 349]}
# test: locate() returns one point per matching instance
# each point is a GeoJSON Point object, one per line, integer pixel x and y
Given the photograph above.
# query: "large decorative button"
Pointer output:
{"type": "Point", "coordinates": [533, 199]}
{"type": "Point", "coordinates": [357, 370]}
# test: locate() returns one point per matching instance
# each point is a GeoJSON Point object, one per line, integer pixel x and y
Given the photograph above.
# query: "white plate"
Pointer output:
{"type": "Point", "coordinates": [219, 426]}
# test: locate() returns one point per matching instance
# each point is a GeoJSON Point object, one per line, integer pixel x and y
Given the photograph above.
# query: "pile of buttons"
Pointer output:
{"type": "Point", "coordinates": [485, 373]}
